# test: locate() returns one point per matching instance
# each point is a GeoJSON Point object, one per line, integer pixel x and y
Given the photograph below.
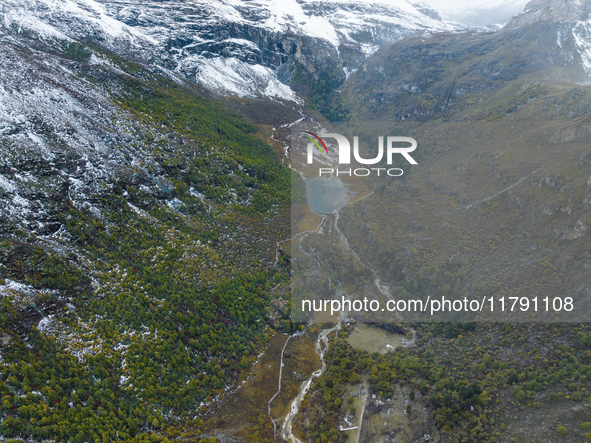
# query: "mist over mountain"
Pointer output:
{"type": "Point", "coordinates": [494, 13]}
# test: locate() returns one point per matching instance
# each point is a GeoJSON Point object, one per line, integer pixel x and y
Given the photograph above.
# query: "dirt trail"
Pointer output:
{"type": "Point", "coordinates": [279, 388]}
{"type": "Point", "coordinates": [363, 405]}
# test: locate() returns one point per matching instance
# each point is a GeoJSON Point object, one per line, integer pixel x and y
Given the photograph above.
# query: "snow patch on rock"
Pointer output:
{"type": "Point", "coordinates": [582, 36]}
{"type": "Point", "coordinates": [230, 75]}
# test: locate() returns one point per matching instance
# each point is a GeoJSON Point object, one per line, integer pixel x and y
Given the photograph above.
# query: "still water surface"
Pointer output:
{"type": "Point", "coordinates": [324, 195]}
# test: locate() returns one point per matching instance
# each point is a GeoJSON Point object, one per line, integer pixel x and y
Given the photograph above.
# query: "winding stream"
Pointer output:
{"type": "Point", "coordinates": [324, 196]}
{"type": "Point", "coordinates": [321, 348]}
{"type": "Point", "coordinates": [322, 342]}
{"type": "Point", "coordinates": [323, 200]}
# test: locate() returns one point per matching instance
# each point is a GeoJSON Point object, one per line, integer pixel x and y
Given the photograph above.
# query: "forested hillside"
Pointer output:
{"type": "Point", "coordinates": [139, 224]}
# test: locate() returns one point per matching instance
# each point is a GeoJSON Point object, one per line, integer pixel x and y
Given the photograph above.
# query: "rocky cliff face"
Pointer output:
{"type": "Point", "coordinates": [246, 48]}
{"type": "Point", "coordinates": [566, 27]}
{"type": "Point", "coordinates": [569, 11]}
{"type": "Point", "coordinates": [426, 76]}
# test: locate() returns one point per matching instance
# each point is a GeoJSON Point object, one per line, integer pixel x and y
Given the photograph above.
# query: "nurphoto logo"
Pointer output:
{"type": "Point", "coordinates": [344, 153]}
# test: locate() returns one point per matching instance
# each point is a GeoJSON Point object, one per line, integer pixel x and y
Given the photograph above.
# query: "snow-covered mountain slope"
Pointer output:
{"type": "Point", "coordinates": [59, 131]}
{"type": "Point", "coordinates": [71, 129]}
{"type": "Point", "coordinates": [551, 11]}
{"type": "Point", "coordinates": [566, 26]}
{"type": "Point", "coordinates": [241, 47]}
{"type": "Point", "coordinates": [104, 161]}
